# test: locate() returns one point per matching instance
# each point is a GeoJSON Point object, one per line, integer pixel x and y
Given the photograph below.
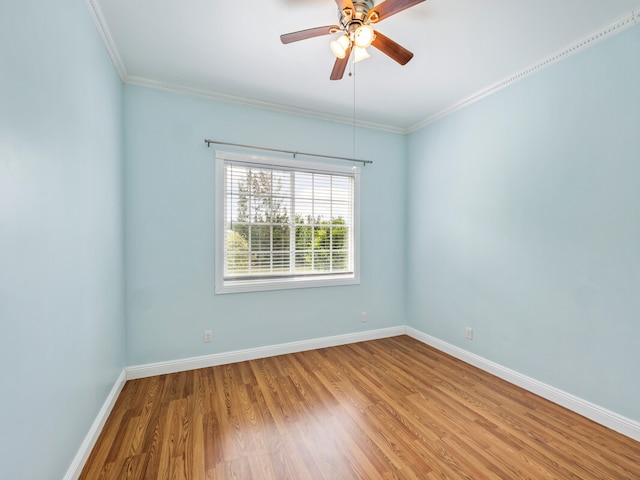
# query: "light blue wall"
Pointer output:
{"type": "Point", "coordinates": [170, 231]}
{"type": "Point", "coordinates": [61, 243]}
{"type": "Point", "coordinates": [524, 223]}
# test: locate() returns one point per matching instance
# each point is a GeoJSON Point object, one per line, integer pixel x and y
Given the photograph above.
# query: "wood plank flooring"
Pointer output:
{"type": "Point", "coordinates": [385, 409]}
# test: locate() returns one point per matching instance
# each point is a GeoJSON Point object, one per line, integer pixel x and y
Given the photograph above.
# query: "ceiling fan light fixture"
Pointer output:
{"type": "Point", "coordinates": [363, 36]}
{"type": "Point", "coordinates": [339, 46]}
{"type": "Point", "coordinates": [360, 54]}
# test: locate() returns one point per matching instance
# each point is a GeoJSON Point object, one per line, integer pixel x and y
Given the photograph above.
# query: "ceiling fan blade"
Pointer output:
{"type": "Point", "coordinates": [309, 33]}
{"type": "Point", "coordinates": [342, 4]}
{"type": "Point", "coordinates": [340, 66]}
{"type": "Point", "coordinates": [390, 7]}
{"type": "Point", "coordinates": [392, 49]}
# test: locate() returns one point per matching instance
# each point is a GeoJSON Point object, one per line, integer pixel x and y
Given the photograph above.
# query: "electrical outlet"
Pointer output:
{"type": "Point", "coordinates": [208, 335]}
{"type": "Point", "coordinates": [468, 333]}
{"type": "Point", "coordinates": [363, 317]}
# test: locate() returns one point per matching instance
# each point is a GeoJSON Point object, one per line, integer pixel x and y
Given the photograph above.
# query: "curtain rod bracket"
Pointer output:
{"type": "Point", "coordinates": [295, 154]}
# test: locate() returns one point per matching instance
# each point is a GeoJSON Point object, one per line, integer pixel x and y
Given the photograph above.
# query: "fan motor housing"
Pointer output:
{"type": "Point", "coordinates": [351, 20]}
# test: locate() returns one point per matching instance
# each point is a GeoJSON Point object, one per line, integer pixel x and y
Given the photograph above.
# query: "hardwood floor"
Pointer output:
{"type": "Point", "coordinates": [385, 409]}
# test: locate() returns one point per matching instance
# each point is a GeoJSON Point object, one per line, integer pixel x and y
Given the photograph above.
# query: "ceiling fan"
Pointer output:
{"type": "Point", "coordinates": [355, 19]}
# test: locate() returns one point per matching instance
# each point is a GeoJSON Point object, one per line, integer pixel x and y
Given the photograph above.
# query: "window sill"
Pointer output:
{"type": "Point", "coordinates": [244, 286]}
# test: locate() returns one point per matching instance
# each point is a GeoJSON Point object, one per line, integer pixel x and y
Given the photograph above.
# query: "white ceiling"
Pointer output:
{"type": "Point", "coordinates": [232, 50]}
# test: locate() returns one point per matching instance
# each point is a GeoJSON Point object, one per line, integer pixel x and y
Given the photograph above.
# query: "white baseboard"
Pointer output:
{"type": "Point", "coordinates": [75, 469]}
{"type": "Point", "coordinates": [612, 420]}
{"type": "Point", "coordinates": [162, 368]}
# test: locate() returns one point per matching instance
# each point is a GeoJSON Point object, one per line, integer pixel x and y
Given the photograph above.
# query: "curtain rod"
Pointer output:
{"type": "Point", "coordinates": [363, 162]}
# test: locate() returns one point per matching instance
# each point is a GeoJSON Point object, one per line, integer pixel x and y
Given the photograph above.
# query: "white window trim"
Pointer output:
{"type": "Point", "coordinates": [223, 286]}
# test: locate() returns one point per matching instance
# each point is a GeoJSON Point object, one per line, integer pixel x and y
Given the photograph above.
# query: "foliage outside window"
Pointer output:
{"type": "Point", "coordinates": [284, 224]}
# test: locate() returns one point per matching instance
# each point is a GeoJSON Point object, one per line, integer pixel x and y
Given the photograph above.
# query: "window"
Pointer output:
{"type": "Point", "coordinates": [284, 224]}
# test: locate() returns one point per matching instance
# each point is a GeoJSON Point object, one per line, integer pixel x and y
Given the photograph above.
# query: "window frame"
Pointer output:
{"type": "Point", "coordinates": [224, 286]}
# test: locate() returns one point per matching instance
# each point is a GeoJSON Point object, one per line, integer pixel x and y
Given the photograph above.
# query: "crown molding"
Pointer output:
{"type": "Point", "coordinates": [627, 21]}
{"type": "Point", "coordinates": [107, 39]}
{"type": "Point", "coordinates": [116, 59]}
{"type": "Point", "coordinates": [251, 102]}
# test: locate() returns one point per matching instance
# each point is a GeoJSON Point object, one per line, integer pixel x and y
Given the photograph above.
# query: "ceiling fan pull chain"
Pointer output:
{"type": "Point", "coordinates": [353, 65]}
